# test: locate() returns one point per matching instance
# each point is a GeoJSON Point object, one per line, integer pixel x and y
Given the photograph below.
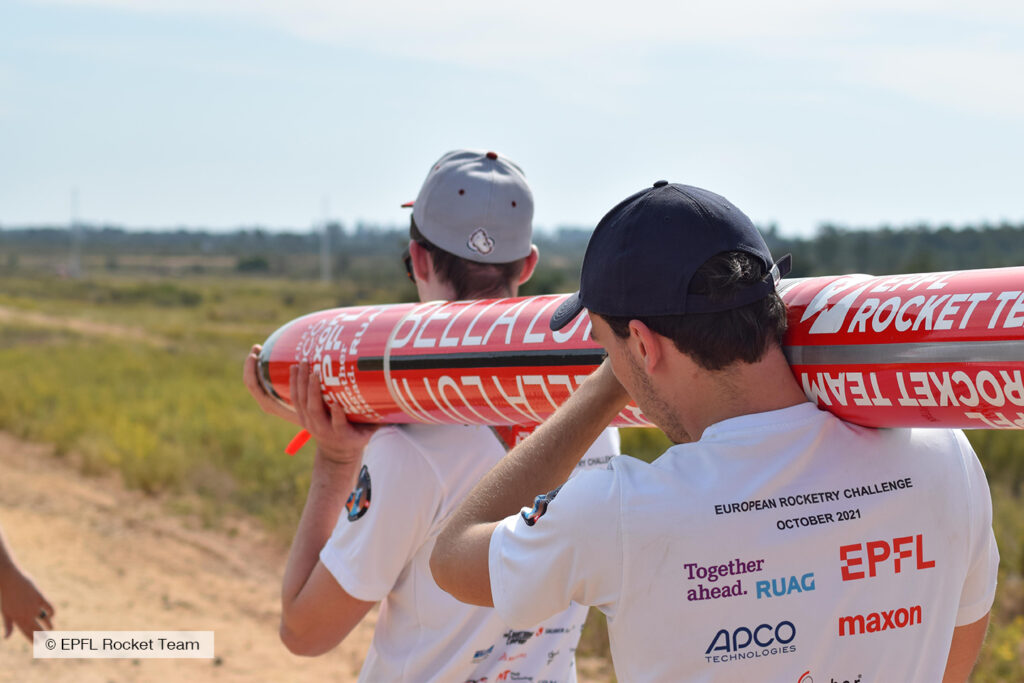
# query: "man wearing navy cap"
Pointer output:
{"type": "Point", "coordinates": [774, 542]}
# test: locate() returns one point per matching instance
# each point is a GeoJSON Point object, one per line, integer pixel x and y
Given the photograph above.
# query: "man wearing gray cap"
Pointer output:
{"type": "Point", "coordinates": [774, 542]}
{"type": "Point", "coordinates": [378, 497]}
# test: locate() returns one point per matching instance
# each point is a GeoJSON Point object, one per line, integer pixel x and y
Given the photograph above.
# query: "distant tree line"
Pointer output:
{"type": "Point", "coordinates": [371, 252]}
{"type": "Point", "coordinates": [882, 251]}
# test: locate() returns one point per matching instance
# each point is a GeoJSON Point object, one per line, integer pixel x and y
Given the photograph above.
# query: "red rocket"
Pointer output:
{"type": "Point", "coordinates": [924, 350]}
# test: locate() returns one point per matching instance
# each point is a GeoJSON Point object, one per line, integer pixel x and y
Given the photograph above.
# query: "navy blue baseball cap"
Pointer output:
{"type": "Point", "coordinates": [644, 252]}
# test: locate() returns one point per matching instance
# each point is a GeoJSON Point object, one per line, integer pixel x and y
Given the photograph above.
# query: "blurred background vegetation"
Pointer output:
{"type": "Point", "coordinates": [124, 350]}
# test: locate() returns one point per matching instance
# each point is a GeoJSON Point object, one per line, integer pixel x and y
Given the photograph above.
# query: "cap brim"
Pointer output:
{"type": "Point", "coordinates": [566, 311]}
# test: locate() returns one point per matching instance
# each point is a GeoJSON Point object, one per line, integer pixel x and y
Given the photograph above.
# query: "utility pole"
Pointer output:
{"type": "Point", "coordinates": [325, 242]}
{"type": "Point", "coordinates": [75, 266]}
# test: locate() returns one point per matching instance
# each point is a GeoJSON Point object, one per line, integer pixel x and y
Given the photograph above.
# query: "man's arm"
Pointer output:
{"type": "Point", "coordinates": [963, 652]}
{"type": "Point", "coordinates": [316, 612]}
{"type": "Point", "coordinates": [21, 603]}
{"type": "Point", "coordinates": [542, 462]}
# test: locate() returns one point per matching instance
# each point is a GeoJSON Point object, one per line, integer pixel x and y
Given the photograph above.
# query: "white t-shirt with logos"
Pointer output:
{"type": "Point", "coordinates": [415, 477]}
{"type": "Point", "coordinates": [783, 546]}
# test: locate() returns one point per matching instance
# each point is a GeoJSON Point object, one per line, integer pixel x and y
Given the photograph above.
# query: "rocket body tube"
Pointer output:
{"type": "Point", "coordinates": [931, 350]}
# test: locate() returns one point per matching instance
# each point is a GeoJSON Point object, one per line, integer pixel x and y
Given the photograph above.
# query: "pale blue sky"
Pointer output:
{"type": "Point", "coordinates": [226, 113]}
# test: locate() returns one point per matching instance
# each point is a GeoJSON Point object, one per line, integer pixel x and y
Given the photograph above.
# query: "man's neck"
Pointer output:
{"type": "Point", "coordinates": [740, 389]}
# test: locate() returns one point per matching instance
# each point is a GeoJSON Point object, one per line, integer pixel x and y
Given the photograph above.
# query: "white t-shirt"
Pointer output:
{"type": "Point", "coordinates": [415, 477]}
{"type": "Point", "coordinates": [783, 546]}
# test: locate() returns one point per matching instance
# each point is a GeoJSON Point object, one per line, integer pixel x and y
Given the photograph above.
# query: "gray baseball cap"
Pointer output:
{"type": "Point", "coordinates": [476, 205]}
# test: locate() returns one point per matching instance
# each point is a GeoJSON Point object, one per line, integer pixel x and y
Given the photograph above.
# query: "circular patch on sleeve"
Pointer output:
{"type": "Point", "coordinates": [359, 500]}
{"type": "Point", "coordinates": [540, 506]}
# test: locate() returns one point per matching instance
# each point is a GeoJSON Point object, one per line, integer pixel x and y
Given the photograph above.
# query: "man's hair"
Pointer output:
{"type": "Point", "coordinates": [716, 340]}
{"type": "Point", "coordinates": [470, 279]}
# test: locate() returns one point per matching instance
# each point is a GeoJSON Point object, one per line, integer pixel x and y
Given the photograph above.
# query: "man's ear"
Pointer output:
{"type": "Point", "coordinates": [531, 263]}
{"type": "Point", "coordinates": [647, 346]}
{"type": "Point", "coordinates": [422, 262]}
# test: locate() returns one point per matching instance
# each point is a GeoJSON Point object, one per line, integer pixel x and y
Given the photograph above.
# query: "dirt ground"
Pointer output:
{"type": "Point", "coordinates": [116, 560]}
{"type": "Point", "coordinates": [111, 559]}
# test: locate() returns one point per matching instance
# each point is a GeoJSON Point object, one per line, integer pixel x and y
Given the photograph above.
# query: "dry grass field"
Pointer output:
{"type": "Point", "coordinates": [125, 422]}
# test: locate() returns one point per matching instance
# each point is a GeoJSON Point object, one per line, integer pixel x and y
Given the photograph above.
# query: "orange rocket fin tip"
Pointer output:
{"type": "Point", "coordinates": [297, 442]}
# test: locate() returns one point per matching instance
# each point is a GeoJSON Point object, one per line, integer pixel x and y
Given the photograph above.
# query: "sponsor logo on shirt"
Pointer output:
{"type": "Point", "coordinates": [873, 622]}
{"type": "Point", "coordinates": [763, 640]}
{"type": "Point", "coordinates": [477, 680]}
{"type": "Point", "coordinates": [556, 631]}
{"type": "Point", "coordinates": [902, 553]}
{"type": "Point", "coordinates": [509, 675]}
{"type": "Point", "coordinates": [517, 637]}
{"type": "Point", "coordinates": [505, 657]}
{"type": "Point", "coordinates": [713, 572]}
{"type": "Point", "coordinates": [807, 678]}
{"type": "Point", "coordinates": [481, 655]}
{"type": "Point", "coordinates": [551, 656]}
{"type": "Point", "coordinates": [784, 586]}
{"type": "Point", "coordinates": [540, 506]}
{"type": "Point", "coordinates": [359, 500]}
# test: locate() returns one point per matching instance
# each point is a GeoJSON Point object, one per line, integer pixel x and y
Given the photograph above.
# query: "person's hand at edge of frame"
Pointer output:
{"type": "Point", "coordinates": [22, 604]}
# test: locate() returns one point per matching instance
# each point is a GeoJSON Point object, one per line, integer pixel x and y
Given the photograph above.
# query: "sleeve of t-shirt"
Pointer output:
{"type": "Point", "coordinates": [366, 555]}
{"type": "Point", "coordinates": [979, 587]}
{"type": "Point", "coordinates": [572, 553]}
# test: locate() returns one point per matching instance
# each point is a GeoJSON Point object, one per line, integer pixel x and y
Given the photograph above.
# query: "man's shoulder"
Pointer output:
{"type": "Point", "coordinates": [424, 437]}
{"type": "Point", "coordinates": [448, 450]}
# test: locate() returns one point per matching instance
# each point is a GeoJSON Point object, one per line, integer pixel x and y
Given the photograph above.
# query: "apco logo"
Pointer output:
{"type": "Point", "coordinates": [784, 586]}
{"type": "Point", "coordinates": [883, 553]}
{"type": "Point", "coordinates": [517, 637]}
{"type": "Point", "coordinates": [873, 622]}
{"type": "Point", "coordinates": [763, 640]}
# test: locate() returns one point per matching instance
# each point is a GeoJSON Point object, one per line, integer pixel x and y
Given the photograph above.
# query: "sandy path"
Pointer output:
{"type": "Point", "coordinates": [84, 326]}
{"type": "Point", "coordinates": [111, 559]}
